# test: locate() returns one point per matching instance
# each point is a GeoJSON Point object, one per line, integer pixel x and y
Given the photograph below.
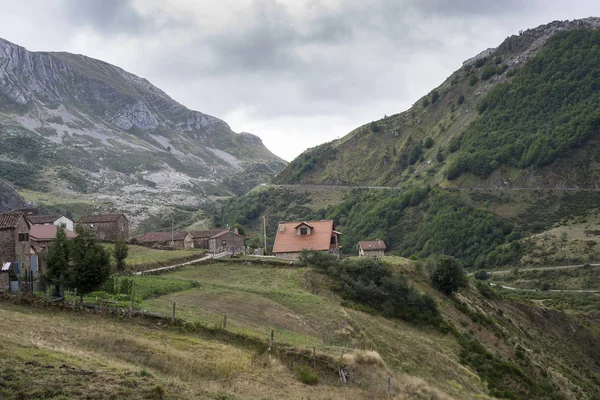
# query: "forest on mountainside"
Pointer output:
{"type": "Point", "coordinates": [550, 106]}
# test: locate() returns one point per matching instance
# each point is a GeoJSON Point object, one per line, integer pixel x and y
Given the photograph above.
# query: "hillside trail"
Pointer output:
{"type": "Point", "coordinates": [506, 271]}
{"type": "Point", "coordinates": [316, 186]}
{"type": "Point", "coordinates": [208, 257]}
{"type": "Point", "coordinates": [549, 290]}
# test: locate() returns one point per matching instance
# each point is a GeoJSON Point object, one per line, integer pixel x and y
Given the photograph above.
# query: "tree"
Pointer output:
{"type": "Point", "coordinates": [461, 99]}
{"type": "Point", "coordinates": [57, 260]}
{"type": "Point", "coordinates": [240, 228]}
{"type": "Point", "coordinates": [448, 275]}
{"type": "Point", "coordinates": [120, 252]}
{"type": "Point", "coordinates": [434, 96]}
{"type": "Point", "coordinates": [90, 262]}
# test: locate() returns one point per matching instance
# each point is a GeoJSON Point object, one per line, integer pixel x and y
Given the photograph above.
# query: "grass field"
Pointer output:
{"type": "Point", "coordinates": [140, 255]}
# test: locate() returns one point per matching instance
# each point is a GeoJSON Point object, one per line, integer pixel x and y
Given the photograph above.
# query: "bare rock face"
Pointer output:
{"type": "Point", "coordinates": [77, 126]}
{"type": "Point", "coordinates": [10, 199]}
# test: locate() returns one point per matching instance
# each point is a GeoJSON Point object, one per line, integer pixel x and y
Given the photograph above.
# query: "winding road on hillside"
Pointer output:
{"type": "Point", "coordinates": [549, 290]}
{"type": "Point", "coordinates": [505, 271]}
{"type": "Point", "coordinates": [315, 186]}
{"type": "Point", "coordinates": [169, 267]}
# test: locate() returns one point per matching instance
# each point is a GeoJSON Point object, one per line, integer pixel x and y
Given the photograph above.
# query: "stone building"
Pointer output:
{"type": "Point", "coordinates": [227, 240]}
{"type": "Point", "coordinates": [57, 220]}
{"type": "Point", "coordinates": [374, 248]}
{"type": "Point", "coordinates": [176, 240]}
{"type": "Point", "coordinates": [202, 238]}
{"type": "Point", "coordinates": [14, 242]}
{"type": "Point", "coordinates": [107, 227]}
{"type": "Point", "coordinates": [293, 237]}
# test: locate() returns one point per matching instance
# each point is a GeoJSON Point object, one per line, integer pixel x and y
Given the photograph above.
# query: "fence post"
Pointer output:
{"type": "Point", "coordinates": [225, 321]}
{"type": "Point", "coordinates": [74, 298]}
{"type": "Point", "coordinates": [389, 386]}
{"type": "Point", "coordinates": [314, 358]}
{"type": "Point", "coordinates": [173, 313]}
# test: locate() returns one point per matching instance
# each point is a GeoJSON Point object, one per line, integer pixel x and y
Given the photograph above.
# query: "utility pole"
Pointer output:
{"type": "Point", "coordinates": [265, 232]}
{"type": "Point", "coordinates": [172, 233]}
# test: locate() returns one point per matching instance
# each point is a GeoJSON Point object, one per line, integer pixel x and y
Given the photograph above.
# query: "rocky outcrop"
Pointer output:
{"type": "Point", "coordinates": [10, 199]}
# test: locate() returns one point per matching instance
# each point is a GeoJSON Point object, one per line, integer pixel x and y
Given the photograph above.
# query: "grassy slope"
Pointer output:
{"type": "Point", "coordinates": [422, 362]}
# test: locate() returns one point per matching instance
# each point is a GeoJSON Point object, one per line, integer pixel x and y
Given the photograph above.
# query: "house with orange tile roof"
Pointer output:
{"type": "Point", "coordinates": [371, 248]}
{"type": "Point", "coordinates": [293, 237]}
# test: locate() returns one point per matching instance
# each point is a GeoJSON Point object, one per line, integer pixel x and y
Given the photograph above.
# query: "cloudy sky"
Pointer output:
{"type": "Point", "coordinates": [295, 72]}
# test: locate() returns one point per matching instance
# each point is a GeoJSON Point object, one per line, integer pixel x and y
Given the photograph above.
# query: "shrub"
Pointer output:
{"type": "Point", "coordinates": [473, 80]}
{"type": "Point", "coordinates": [425, 102]}
{"type": "Point", "coordinates": [448, 275]}
{"type": "Point", "coordinates": [434, 96]}
{"type": "Point", "coordinates": [461, 99]}
{"type": "Point", "coordinates": [482, 275]}
{"type": "Point", "coordinates": [307, 375]}
{"type": "Point", "coordinates": [488, 72]}
{"type": "Point", "coordinates": [480, 62]}
{"type": "Point", "coordinates": [428, 143]}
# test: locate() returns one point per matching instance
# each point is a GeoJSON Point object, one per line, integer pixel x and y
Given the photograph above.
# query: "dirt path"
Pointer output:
{"type": "Point", "coordinates": [208, 257]}
{"type": "Point", "coordinates": [550, 290]}
{"type": "Point", "coordinates": [506, 271]}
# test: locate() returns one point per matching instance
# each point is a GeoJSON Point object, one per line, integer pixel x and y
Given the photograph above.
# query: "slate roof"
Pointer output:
{"type": "Point", "coordinates": [160, 237]}
{"type": "Point", "coordinates": [44, 233]}
{"type": "Point", "coordinates": [10, 220]}
{"type": "Point", "coordinates": [43, 219]}
{"type": "Point", "coordinates": [207, 234]}
{"type": "Point", "coordinates": [94, 219]}
{"type": "Point", "coordinates": [367, 245]}
{"type": "Point", "coordinates": [224, 233]}
{"type": "Point", "coordinates": [287, 241]}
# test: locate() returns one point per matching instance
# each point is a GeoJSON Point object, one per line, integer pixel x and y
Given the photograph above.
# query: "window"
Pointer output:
{"type": "Point", "coordinates": [332, 240]}
{"type": "Point", "coordinates": [304, 231]}
{"type": "Point", "coordinates": [23, 237]}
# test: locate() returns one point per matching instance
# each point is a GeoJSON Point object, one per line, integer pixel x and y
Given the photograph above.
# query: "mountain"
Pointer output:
{"type": "Point", "coordinates": [10, 199]}
{"type": "Point", "coordinates": [498, 166]}
{"type": "Point", "coordinates": [524, 114]}
{"type": "Point", "coordinates": [77, 128]}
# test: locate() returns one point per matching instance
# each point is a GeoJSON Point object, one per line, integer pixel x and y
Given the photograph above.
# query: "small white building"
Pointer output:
{"type": "Point", "coordinates": [57, 220]}
{"type": "Point", "coordinates": [371, 248]}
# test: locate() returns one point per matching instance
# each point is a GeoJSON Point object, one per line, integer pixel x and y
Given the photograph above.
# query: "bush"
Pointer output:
{"type": "Point", "coordinates": [425, 102]}
{"type": "Point", "coordinates": [486, 290]}
{"type": "Point", "coordinates": [448, 275]}
{"type": "Point", "coordinates": [372, 284]}
{"type": "Point", "coordinates": [488, 72]}
{"type": "Point", "coordinates": [482, 275]}
{"type": "Point", "coordinates": [461, 99]}
{"type": "Point", "coordinates": [473, 80]}
{"type": "Point", "coordinates": [428, 143]}
{"type": "Point", "coordinates": [307, 375]}
{"type": "Point", "coordinates": [434, 96]}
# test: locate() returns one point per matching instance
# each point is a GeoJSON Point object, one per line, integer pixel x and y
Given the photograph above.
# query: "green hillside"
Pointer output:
{"type": "Point", "coordinates": [521, 116]}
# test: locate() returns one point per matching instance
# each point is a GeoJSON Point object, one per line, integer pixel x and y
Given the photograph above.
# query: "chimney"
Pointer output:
{"type": "Point", "coordinates": [281, 227]}
{"type": "Point", "coordinates": [236, 231]}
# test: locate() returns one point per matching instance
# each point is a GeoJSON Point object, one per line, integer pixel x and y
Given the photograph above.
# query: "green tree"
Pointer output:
{"type": "Point", "coordinates": [447, 275]}
{"type": "Point", "coordinates": [90, 262]}
{"type": "Point", "coordinates": [240, 228]}
{"type": "Point", "coordinates": [120, 252]}
{"type": "Point", "coordinates": [461, 99]}
{"type": "Point", "coordinates": [57, 260]}
{"type": "Point", "coordinates": [434, 96]}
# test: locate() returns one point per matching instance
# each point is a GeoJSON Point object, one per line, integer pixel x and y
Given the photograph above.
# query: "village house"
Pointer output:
{"type": "Point", "coordinates": [202, 238]}
{"type": "Point", "coordinates": [176, 240]}
{"type": "Point", "coordinates": [374, 248]}
{"type": "Point", "coordinates": [219, 240]}
{"type": "Point", "coordinates": [15, 247]}
{"type": "Point", "coordinates": [293, 237]}
{"type": "Point", "coordinates": [107, 227]}
{"type": "Point", "coordinates": [41, 236]}
{"type": "Point", "coordinates": [57, 220]}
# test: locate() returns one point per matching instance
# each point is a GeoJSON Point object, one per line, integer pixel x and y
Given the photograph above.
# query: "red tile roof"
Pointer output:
{"type": "Point", "coordinates": [44, 233]}
{"type": "Point", "coordinates": [91, 219]}
{"type": "Point", "coordinates": [367, 245]}
{"type": "Point", "coordinates": [224, 233]}
{"type": "Point", "coordinates": [10, 220]}
{"type": "Point", "coordinates": [161, 237]}
{"type": "Point", "coordinates": [287, 241]}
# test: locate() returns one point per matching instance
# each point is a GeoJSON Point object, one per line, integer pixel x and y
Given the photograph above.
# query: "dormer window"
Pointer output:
{"type": "Point", "coordinates": [303, 231]}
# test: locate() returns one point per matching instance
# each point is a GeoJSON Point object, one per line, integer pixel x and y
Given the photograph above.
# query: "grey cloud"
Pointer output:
{"type": "Point", "coordinates": [109, 17]}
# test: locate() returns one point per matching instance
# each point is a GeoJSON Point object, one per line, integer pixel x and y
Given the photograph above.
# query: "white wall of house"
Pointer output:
{"type": "Point", "coordinates": [66, 221]}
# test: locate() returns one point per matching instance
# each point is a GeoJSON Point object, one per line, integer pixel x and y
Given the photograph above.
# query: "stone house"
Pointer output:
{"type": "Point", "coordinates": [107, 227]}
{"type": "Point", "coordinates": [176, 240]}
{"type": "Point", "coordinates": [374, 248]}
{"type": "Point", "coordinates": [57, 220]}
{"type": "Point", "coordinates": [202, 238]}
{"type": "Point", "coordinates": [14, 243]}
{"type": "Point", "coordinates": [293, 237]}
{"type": "Point", "coordinates": [227, 240]}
